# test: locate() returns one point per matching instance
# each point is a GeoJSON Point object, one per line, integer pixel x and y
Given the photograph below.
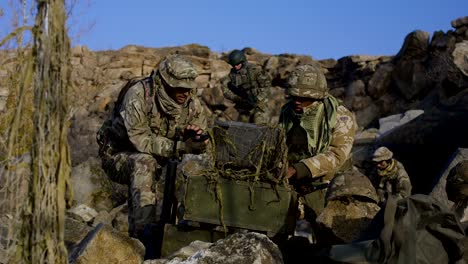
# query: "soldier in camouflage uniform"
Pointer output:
{"type": "Point", "coordinates": [319, 131]}
{"type": "Point", "coordinates": [392, 176]}
{"type": "Point", "coordinates": [249, 88]}
{"type": "Point", "coordinates": [144, 129]}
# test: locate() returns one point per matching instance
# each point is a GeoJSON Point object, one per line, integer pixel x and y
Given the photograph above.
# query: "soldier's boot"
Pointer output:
{"type": "Point", "coordinates": [150, 242]}
{"type": "Point", "coordinates": [143, 226]}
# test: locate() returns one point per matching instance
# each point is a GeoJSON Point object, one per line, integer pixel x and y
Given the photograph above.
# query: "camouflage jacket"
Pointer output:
{"type": "Point", "coordinates": [332, 158]}
{"type": "Point", "coordinates": [394, 180]}
{"type": "Point", "coordinates": [153, 130]}
{"type": "Point", "coordinates": [248, 88]}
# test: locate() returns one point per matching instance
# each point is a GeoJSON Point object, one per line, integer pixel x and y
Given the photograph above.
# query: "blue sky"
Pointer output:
{"type": "Point", "coordinates": [320, 28]}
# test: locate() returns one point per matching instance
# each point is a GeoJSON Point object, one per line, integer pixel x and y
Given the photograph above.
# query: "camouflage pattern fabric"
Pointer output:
{"type": "Point", "coordinates": [317, 122]}
{"type": "Point", "coordinates": [153, 132]}
{"type": "Point", "coordinates": [331, 159]}
{"type": "Point", "coordinates": [382, 154]}
{"type": "Point", "coordinates": [327, 162]}
{"type": "Point", "coordinates": [394, 180]}
{"type": "Point", "coordinates": [249, 88]}
{"type": "Point", "coordinates": [152, 135]}
{"type": "Point", "coordinates": [178, 72]}
{"type": "Point", "coordinates": [307, 81]}
{"type": "Point", "coordinates": [138, 171]}
{"type": "Point", "coordinates": [145, 178]}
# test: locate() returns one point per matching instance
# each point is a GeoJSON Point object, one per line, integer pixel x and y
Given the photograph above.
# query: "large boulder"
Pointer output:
{"type": "Point", "coordinates": [460, 57]}
{"type": "Point", "coordinates": [75, 231]}
{"type": "Point", "coordinates": [239, 248]}
{"type": "Point", "coordinates": [380, 80]}
{"type": "Point", "coordinates": [182, 254]}
{"type": "Point", "coordinates": [343, 222]}
{"type": "Point", "coordinates": [351, 185]}
{"type": "Point", "coordinates": [388, 123]}
{"type": "Point", "coordinates": [409, 73]}
{"type": "Point", "coordinates": [105, 245]}
{"type": "Point", "coordinates": [460, 22]}
{"type": "Point", "coordinates": [351, 206]}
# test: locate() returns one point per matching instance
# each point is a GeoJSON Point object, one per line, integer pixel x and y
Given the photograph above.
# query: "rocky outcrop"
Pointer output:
{"type": "Point", "coordinates": [239, 248]}
{"type": "Point", "coordinates": [105, 245]}
{"type": "Point", "coordinates": [75, 232]}
{"type": "Point", "coordinates": [351, 206]}
{"type": "Point", "coordinates": [409, 74]}
{"type": "Point", "coordinates": [371, 86]}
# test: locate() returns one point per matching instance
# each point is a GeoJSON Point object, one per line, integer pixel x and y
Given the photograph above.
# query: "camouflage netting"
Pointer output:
{"type": "Point", "coordinates": [255, 155]}
{"type": "Point", "coordinates": [249, 152]}
{"type": "Point", "coordinates": [34, 158]}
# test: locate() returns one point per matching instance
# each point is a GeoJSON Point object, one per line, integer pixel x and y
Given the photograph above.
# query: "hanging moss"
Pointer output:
{"type": "Point", "coordinates": [42, 232]}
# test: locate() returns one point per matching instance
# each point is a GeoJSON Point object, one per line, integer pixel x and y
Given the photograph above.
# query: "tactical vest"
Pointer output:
{"type": "Point", "coordinates": [112, 135]}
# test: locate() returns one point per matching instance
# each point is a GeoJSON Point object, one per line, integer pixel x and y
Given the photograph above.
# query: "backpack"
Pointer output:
{"type": "Point", "coordinates": [110, 137]}
{"type": "Point", "coordinates": [417, 229]}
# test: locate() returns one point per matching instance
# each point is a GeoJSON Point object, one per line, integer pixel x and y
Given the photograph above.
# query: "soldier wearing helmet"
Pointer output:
{"type": "Point", "coordinates": [149, 118]}
{"type": "Point", "coordinates": [391, 175]}
{"type": "Point", "coordinates": [320, 131]}
{"type": "Point", "coordinates": [248, 87]}
{"type": "Point", "coordinates": [319, 134]}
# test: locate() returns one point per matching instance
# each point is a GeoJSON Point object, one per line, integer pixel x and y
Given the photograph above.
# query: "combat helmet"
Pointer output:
{"type": "Point", "coordinates": [178, 71]}
{"type": "Point", "coordinates": [381, 154]}
{"type": "Point", "coordinates": [307, 81]}
{"type": "Point", "coordinates": [236, 57]}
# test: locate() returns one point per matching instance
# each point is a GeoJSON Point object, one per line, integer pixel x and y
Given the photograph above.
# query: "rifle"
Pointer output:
{"type": "Point", "coordinates": [305, 186]}
{"type": "Point", "coordinates": [202, 137]}
{"type": "Point", "coordinates": [169, 206]}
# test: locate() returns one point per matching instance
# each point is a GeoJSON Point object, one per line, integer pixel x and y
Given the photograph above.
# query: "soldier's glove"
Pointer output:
{"type": "Point", "coordinates": [193, 146]}
{"type": "Point", "coordinates": [196, 137]}
{"type": "Point", "coordinates": [302, 172]}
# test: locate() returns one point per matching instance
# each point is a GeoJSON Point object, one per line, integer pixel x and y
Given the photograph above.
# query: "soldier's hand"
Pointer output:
{"type": "Point", "coordinates": [195, 133]}
{"type": "Point", "coordinates": [291, 172]}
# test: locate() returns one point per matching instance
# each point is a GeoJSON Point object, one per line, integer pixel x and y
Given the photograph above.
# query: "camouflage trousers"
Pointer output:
{"type": "Point", "coordinates": [144, 177]}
